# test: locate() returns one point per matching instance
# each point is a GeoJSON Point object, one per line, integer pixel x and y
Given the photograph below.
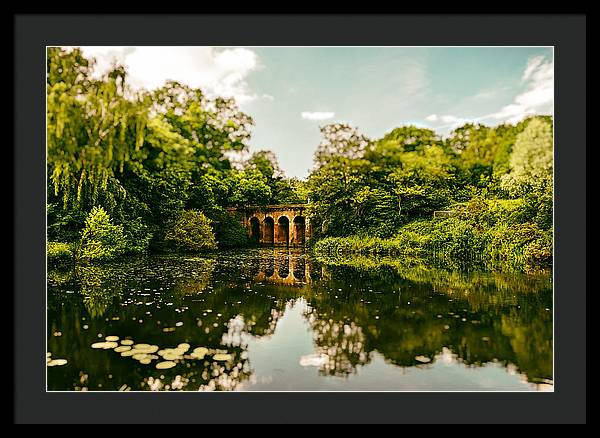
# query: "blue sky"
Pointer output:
{"type": "Point", "coordinates": [291, 91]}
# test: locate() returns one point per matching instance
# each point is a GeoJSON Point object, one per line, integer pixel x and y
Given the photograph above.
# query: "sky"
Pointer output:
{"type": "Point", "coordinates": [291, 91]}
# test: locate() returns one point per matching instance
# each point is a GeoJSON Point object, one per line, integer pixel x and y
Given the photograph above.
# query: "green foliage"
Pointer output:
{"type": "Point", "coordinates": [143, 156]}
{"type": "Point", "coordinates": [191, 231]}
{"type": "Point", "coordinates": [248, 187]}
{"type": "Point", "coordinates": [100, 239]}
{"type": "Point", "coordinates": [485, 233]}
{"type": "Point", "coordinates": [531, 162]}
{"type": "Point", "coordinates": [157, 162]}
{"type": "Point", "coordinates": [228, 231]}
{"type": "Point", "coordinates": [378, 197]}
{"type": "Point", "coordinates": [64, 225]}
{"type": "Point", "coordinates": [59, 252]}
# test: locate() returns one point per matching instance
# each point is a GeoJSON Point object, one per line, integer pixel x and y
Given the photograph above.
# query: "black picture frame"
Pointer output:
{"type": "Point", "coordinates": [566, 33]}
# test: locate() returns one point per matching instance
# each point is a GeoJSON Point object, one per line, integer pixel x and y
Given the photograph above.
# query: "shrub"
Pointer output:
{"type": "Point", "coordinates": [191, 231]}
{"type": "Point", "coordinates": [229, 232]}
{"type": "Point", "coordinates": [59, 252]}
{"type": "Point", "coordinates": [458, 243]}
{"type": "Point", "coordinates": [100, 239]}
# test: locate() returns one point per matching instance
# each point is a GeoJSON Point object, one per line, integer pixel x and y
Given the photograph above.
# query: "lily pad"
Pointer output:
{"type": "Point", "coordinates": [171, 356]}
{"type": "Point", "coordinates": [105, 345]}
{"type": "Point", "coordinates": [422, 359]}
{"type": "Point", "coordinates": [165, 365]}
{"type": "Point", "coordinates": [142, 346]}
{"type": "Point", "coordinates": [222, 357]}
{"type": "Point", "coordinates": [57, 362]}
{"type": "Point", "coordinates": [112, 338]}
{"type": "Point", "coordinates": [140, 356]}
{"type": "Point", "coordinates": [127, 342]}
{"type": "Point", "coordinates": [145, 348]}
{"type": "Point", "coordinates": [122, 348]}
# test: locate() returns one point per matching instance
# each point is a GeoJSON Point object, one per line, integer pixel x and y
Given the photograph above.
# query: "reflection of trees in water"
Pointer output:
{"type": "Point", "coordinates": [479, 317]}
{"type": "Point", "coordinates": [185, 293]}
{"type": "Point", "coordinates": [349, 325]}
{"type": "Point", "coordinates": [343, 345]}
{"type": "Point", "coordinates": [97, 294]}
{"type": "Point", "coordinates": [197, 279]}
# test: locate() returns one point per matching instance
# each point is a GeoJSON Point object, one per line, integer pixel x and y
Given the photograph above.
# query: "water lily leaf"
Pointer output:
{"type": "Point", "coordinates": [222, 357]}
{"type": "Point", "coordinates": [165, 365]}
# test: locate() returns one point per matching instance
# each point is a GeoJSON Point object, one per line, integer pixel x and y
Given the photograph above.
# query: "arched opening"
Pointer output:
{"type": "Point", "coordinates": [283, 230]}
{"type": "Point", "coordinates": [254, 229]}
{"type": "Point", "coordinates": [299, 235]}
{"type": "Point", "coordinates": [268, 230]}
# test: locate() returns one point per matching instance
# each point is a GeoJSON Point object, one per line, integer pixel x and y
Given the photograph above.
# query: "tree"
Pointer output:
{"type": "Point", "coordinates": [191, 231]}
{"type": "Point", "coordinates": [100, 239]}
{"type": "Point", "coordinates": [424, 181]}
{"type": "Point", "coordinates": [340, 172]}
{"type": "Point", "coordinates": [531, 161]}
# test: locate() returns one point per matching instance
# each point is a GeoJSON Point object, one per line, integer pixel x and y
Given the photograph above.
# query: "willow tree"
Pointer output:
{"type": "Point", "coordinates": [143, 156]}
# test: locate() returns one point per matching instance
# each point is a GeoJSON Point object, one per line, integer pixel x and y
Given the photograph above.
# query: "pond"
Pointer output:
{"type": "Point", "coordinates": [275, 319]}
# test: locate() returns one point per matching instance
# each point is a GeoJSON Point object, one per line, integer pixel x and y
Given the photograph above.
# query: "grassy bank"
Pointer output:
{"type": "Point", "coordinates": [491, 235]}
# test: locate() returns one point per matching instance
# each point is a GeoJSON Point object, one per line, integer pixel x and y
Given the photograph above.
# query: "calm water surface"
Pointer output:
{"type": "Point", "coordinates": [278, 320]}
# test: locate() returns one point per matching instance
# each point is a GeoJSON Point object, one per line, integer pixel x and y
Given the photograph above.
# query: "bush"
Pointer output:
{"type": "Point", "coordinates": [458, 242]}
{"type": "Point", "coordinates": [522, 246]}
{"type": "Point", "coordinates": [229, 232]}
{"type": "Point", "coordinates": [100, 239]}
{"type": "Point", "coordinates": [59, 252]}
{"type": "Point", "coordinates": [191, 231]}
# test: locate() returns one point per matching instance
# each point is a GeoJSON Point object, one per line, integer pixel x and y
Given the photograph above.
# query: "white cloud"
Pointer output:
{"type": "Point", "coordinates": [218, 72]}
{"type": "Point", "coordinates": [538, 95]}
{"type": "Point", "coordinates": [452, 119]}
{"type": "Point", "coordinates": [532, 64]}
{"type": "Point", "coordinates": [448, 120]}
{"type": "Point", "coordinates": [316, 115]}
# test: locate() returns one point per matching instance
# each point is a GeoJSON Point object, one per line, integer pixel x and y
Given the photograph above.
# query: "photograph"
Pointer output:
{"type": "Point", "coordinates": [310, 218]}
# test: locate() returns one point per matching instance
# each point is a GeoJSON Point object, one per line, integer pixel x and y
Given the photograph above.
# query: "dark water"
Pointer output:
{"type": "Point", "coordinates": [277, 319]}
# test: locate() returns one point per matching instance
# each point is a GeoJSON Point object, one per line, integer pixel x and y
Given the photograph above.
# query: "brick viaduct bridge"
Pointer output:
{"type": "Point", "coordinates": [275, 224]}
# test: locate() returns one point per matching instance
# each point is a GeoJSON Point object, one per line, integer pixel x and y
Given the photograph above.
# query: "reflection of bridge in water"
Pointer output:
{"type": "Point", "coordinates": [285, 268]}
{"type": "Point", "coordinates": [275, 224]}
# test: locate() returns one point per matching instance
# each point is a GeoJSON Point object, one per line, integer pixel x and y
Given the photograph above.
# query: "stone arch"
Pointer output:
{"type": "Point", "coordinates": [268, 233]}
{"type": "Point", "coordinates": [299, 230]}
{"type": "Point", "coordinates": [254, 229]}
{"type": "Point", "coordinates": [282, 235]}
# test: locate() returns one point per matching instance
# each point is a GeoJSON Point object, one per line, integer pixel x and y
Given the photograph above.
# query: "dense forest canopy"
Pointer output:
{"type": "Point", "coordinates": [146, 157]}
{"type": "Point", "coordinates": [153, 162]}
